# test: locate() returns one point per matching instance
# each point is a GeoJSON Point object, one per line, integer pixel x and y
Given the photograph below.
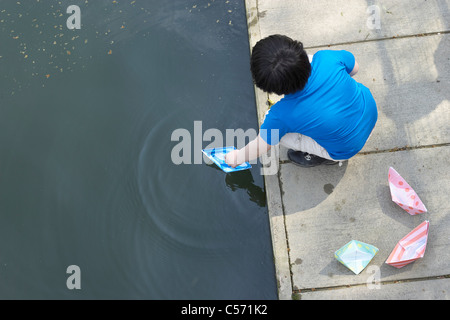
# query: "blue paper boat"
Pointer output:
{"type": "Point", "coordinates": [217, 155]}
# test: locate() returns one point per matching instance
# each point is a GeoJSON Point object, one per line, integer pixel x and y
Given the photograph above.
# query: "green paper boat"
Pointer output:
{"type": "Point", "coordinates": [356, 255]}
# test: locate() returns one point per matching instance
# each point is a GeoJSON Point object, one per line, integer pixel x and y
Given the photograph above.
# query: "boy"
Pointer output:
{"type": "Point", "coordinates": [325, 115]}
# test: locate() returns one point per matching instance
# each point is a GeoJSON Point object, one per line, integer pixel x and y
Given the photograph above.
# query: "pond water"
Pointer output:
{"type": "Point", "coordinates": [86, 173]}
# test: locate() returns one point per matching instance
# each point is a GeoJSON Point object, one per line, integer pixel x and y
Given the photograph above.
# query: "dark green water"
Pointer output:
{"type": "Point", "coordinates": [86, 176]}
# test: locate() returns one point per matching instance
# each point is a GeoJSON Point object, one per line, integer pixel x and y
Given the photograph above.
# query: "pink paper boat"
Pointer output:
{"type": "Point", "coordinates": [411, 247]}
{"type": "Point", "coordinates": [403, 195]}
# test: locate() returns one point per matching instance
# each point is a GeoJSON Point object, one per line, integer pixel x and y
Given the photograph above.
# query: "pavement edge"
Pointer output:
{"type": "Point", "coordinates": [271, 181]}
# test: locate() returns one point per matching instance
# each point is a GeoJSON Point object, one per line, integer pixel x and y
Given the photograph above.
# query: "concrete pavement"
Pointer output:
{"type": "Point", "coordinates": [403, 49]}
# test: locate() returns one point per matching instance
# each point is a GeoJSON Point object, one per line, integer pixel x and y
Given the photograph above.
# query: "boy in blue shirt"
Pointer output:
{"type": "Point", "coordinates": [325, 115]}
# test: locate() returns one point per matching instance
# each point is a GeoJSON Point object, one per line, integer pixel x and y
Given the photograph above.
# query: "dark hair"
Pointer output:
{"type": "Point", "coordinates": [280, 65]}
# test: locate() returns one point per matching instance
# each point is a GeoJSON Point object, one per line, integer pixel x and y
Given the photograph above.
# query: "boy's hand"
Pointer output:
{"type": "Point", "coordinates": [231, 158]}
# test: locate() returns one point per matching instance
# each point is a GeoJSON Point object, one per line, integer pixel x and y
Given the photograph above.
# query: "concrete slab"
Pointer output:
{"type": "Point", "coordinates": [324, 22]}
{"type": "Point", "coordinates": [326, 207]}
{"type": "Point", "coordinates": [313, 212]}
{"type": "Point", "coordinates": [411, 90]}
{"type": "Point", "coordinates": [409, 79]}
{"type": "Point", "coordinates": [433, 289]}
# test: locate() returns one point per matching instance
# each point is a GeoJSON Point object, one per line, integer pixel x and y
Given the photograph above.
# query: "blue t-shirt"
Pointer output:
{"type": "Point", "coordinates": [333, 109]}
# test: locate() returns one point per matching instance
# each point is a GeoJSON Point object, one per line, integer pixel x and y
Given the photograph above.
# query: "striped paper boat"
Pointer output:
{"type": "Point", "coordinates": [411, 247]}
{"type": "Point", "coordinates": [403, 195]}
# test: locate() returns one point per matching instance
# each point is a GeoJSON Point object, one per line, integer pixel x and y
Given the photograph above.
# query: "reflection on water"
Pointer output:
{"type": "Point", "coordinates": [86, 178]}
{"type": "Point", "coordinates": [244, 180]}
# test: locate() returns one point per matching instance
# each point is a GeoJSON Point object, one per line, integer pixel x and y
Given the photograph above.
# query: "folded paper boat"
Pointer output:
{"type": "Point", "coordinates": [411, 247]}
{"type": "Point", "coordinates": [217, 155]}
{"type": "Point", "coordinates": [356, 255]}
{"type": "Point", "coordinates": [403, 195]}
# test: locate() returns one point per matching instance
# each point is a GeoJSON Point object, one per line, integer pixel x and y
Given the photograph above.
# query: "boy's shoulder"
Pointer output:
{"type": "Point", "coordinates": [335, 57]}
{"type": "Point", "coordinates": [323, 55]}
{"type": "Point", "coordinates": [327, 53]}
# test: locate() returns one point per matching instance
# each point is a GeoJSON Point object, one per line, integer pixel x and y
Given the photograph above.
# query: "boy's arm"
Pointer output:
{"type": "Point", "coordinates": [355, 69]}
{"type": "Point", "coordinates": [347, 59]}
{"type": "Point", "coordinates": [254, 149]}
